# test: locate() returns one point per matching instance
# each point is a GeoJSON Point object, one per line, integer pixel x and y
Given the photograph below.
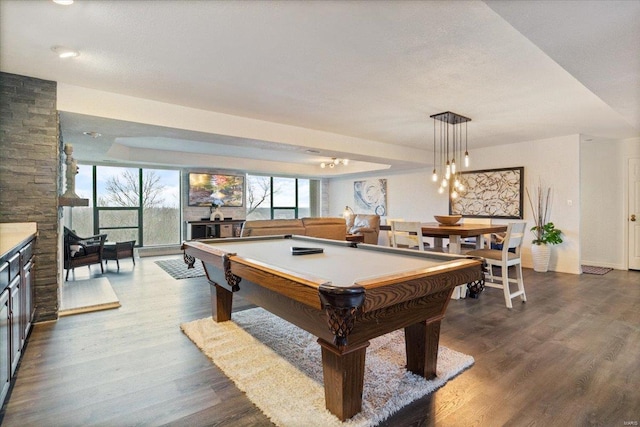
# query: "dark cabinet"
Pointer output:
{"type": "Point", "coordinates": [14, 320]}
{"type": "Point", "coordinates": [214, 229]}
{"type": "Point", "coordinates": [5, 349]}
{"type": "Point", "coordinates": [27, 297]}
{"type": "Point", "coordinates": [16, 301]}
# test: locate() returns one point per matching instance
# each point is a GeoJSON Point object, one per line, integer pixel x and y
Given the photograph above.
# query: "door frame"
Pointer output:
{"type": "Point", "coordinates": [633, 162]}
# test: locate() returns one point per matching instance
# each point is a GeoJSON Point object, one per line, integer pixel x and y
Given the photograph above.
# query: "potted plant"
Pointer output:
{"type": "Point", "coordinates": [544, 230]}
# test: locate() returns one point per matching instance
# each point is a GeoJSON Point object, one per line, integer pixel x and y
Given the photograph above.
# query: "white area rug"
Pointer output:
{"type": "Point", "coordinates": [279, 367]}
{"type": "Point", "coordinates": [82, 296]}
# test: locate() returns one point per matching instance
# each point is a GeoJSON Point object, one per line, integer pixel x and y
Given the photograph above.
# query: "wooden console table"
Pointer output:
{"type": "Point", "coordinates": [214, 229]}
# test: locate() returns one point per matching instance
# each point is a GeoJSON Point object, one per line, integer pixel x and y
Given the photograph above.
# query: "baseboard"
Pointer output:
{"type": "Point", "coordinates": [159, 251]}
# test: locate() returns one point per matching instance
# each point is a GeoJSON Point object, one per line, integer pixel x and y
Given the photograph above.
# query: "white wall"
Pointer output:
{"type": "Point", "coordinates": [555, 161]}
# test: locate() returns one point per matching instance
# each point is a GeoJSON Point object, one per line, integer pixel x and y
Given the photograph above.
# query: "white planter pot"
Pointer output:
{"type": "Point", "coordinates": [541, 255]}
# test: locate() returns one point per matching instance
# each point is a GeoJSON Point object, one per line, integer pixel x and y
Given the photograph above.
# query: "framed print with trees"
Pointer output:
{"type": "Point", "coordinates": [206, 189]}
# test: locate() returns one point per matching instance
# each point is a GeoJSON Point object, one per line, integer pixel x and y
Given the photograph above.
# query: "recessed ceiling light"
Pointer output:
{"type": "Point", "coordinates": [63, 2]}
{"type": "Point", "coordinates": [65, 52]}
{"type": "Point", "coordinates": [92, 134]}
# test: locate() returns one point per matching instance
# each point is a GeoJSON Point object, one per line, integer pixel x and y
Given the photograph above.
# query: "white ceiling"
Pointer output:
{"type": "Point", "coordinates": [370, 70]}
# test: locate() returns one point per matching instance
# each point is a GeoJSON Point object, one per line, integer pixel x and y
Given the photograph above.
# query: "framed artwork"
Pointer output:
{"type": "Point", "coordinates": [222, 190]}
{"type": "Point", "coordinates": [490, 193]}
{"type": "Point", "coordinates": [370, 196]}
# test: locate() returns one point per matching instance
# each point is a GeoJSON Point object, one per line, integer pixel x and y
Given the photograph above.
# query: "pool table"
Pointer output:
{"type": "Point", "coordinates": [345, 295]}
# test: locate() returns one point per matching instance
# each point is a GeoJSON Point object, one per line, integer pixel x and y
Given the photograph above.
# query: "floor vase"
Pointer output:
{"type": "Point", "coordinates": [541, 255]}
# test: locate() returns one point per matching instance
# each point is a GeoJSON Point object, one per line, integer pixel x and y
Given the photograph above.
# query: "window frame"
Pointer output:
{"type": "Point", "coordinates": [313, 208]}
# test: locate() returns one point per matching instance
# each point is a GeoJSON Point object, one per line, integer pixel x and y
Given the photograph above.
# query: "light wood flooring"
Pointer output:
{"type": "Point", "coordinates": [81, 296]}
{"type": "Point", "coordinates": [570, 356]}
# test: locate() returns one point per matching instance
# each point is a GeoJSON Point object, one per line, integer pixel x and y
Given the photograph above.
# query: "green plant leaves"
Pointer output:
{"type": "Point", "coordinates": [547, 234]}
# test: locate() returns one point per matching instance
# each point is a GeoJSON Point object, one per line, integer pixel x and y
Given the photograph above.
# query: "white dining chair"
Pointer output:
{"type": "Point", "coordinates": [406, 234]}
{"type": "Point", "coordinates": [384, 238]}
{"type": "Point", "coordinates": [504, 259]}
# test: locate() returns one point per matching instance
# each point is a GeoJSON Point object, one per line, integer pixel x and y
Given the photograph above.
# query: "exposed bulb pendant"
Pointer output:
{"type": "Point", "coordinates": [449, 141]}
{"type": "Point", "coordinates": [466, 146]}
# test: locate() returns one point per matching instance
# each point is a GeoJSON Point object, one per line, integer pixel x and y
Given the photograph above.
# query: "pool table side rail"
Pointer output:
{"type": "Point", "coordinates": [399, 288]}
{"type": "Point", "coordinates": [304, 289]}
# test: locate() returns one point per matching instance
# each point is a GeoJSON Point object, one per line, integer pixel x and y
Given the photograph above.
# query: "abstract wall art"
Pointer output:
{"type": "Point", "coordinates": [490, 193]}
{"type": "Point", "coordinates": [370, 196]}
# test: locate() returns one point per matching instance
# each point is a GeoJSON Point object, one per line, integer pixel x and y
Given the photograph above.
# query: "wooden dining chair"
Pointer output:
{"type": "Point", "coordinates": [504, 258]}
{"type": "Point", "coordinates": [406, 234]}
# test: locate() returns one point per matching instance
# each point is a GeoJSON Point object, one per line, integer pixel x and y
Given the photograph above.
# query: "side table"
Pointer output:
{"type": "Point", "coordinates": [117, 251]}
{"type": "Point", "coordinates": [358, 238]}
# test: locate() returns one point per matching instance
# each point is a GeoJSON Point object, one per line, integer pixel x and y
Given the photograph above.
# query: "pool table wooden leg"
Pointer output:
{"type": "Point", "coordinates": [221, 301]}
{"type": "Point", "coordinates": [343, 373]}
{"type": "Point", "coordinates": [421, 342]}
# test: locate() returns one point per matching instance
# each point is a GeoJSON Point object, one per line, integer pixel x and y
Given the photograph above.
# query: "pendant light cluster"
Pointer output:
{"type": "Point", "coordinates": [450, 151]}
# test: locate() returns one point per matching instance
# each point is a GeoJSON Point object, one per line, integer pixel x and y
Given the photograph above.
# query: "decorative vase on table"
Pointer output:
{"type": "Point", "coordinates": [541, 254]}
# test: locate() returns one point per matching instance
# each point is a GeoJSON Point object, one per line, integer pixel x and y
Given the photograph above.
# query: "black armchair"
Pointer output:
{"type": "Point", "coordinates": [81, 251]}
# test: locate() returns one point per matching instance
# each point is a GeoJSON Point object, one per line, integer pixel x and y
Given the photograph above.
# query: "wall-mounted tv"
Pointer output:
{"type": "Point", "coordinates": [223, 190]}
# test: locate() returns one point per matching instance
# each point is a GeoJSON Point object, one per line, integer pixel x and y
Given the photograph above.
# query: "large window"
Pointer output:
{"type": "Point", "coordinates": [81, 218]}
{"type": "Point", "coordinates": [281, 198]}
{"type": "Point", "coordinates": [144, 204]}
{"type": "Point", "coordinates": [129, 204]}
{"type": "Point", "coordinates": [161, 203]}
{"type": "Point", "coordinates": [117, 212]}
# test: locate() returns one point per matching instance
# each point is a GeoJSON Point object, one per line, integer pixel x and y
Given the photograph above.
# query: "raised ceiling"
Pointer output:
{"type": "Point", "coordinates": [364, 75]}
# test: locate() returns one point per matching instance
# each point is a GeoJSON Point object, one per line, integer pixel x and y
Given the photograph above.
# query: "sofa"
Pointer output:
{"type": "Point", "coordinates": [326, 228]}
{"type": "Point", "coordinates": [366, 225]}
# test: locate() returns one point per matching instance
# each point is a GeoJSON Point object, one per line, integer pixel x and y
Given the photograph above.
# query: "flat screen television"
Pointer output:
{"type": "Point", "coordinates": [223, 190]}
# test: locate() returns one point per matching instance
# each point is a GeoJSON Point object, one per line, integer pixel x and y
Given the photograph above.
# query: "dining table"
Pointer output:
{"type": "Point", "coordinates": [455, 233]}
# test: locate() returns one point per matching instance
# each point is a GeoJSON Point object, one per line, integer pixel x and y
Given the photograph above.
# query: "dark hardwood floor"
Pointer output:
{"type": "Point", "coordinates": [569, 356]}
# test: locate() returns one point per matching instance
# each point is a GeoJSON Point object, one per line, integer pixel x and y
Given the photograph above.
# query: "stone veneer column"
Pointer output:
{"type": "Point", "coordinates": [29, 175]}
{"type": "Point", "coordinates": [325, 206]}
